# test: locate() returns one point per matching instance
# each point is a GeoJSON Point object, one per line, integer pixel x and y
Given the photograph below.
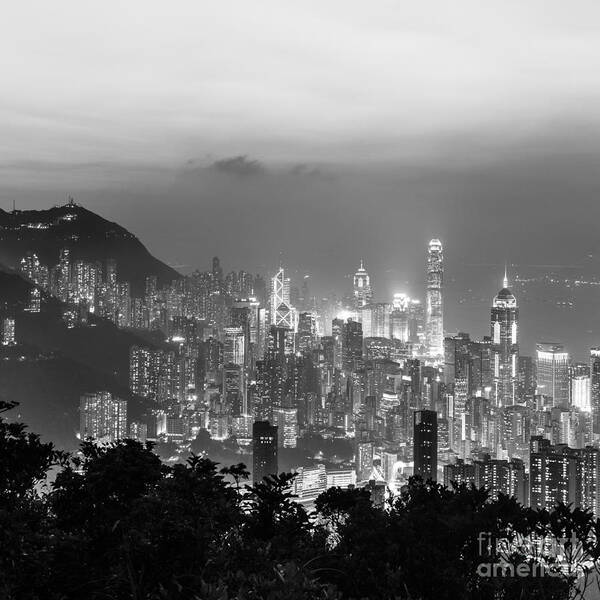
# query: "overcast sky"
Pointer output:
{"type": "Point", "coordinates": [366, 127]}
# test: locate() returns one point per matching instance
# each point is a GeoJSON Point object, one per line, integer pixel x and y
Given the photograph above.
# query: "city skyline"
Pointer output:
{"type": "Point", "coordinates": [300, 300]}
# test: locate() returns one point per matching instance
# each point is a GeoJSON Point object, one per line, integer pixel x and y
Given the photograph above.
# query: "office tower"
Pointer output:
{"type": "Point", "coordinates": [364, 461]}
{"type": "Point", "coordinates": [527, 377]}
{"type": "Point", "coordinates": [102, 417]}
{"type": "Point", "coordinates": [8, 331]}
{"type": "Point", "coordinates": [286, 420]}
{"type": "Point", "coordinates": [352, 345]}
{"type": "Point", "coordinates": [234, 394]}
{"type": "Point", "coordinates": [435, 307]}
{"type": "Point", "coordinates": [234, 346]}
{"type": "Point", "coordinates": [307, 331]}
{"type": "Point", "coordinates": [363, 293]}
{"type": "Point", "coordinates": [553, 373]}
{"type": "Point", "coordinates": [380, 320]}
{"type": "Point", "coordinates": [580, 387]}
{"type": "Point", "coordinates": [505, 346]}
{"type": "Point", "coordinates": [264, 457]}
{"type": "Point", "coordinates": [425, 444]}
{"type": "Point", "coordinates": [282, 312]}
{"type": "Point", "coordinates": [399, 318]}
{"type": "Point", "coordinates": [595, 388]}
{"type": "Point", "coordinates": [64, 274]}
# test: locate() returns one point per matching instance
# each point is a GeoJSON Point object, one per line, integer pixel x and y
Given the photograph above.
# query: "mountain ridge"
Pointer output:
{"type": "Point", "coordinates": [87, 235]}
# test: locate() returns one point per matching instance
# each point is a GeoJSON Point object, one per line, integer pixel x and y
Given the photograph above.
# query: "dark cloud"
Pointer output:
{"type": "Point", "coordinates": [241, 166]}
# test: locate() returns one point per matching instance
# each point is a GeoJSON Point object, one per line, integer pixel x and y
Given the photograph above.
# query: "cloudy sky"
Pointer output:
{"type": "Point", "coordinates": [365, 128]}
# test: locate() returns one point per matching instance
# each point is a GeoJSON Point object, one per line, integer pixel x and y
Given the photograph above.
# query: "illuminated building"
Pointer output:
{"type": "Point", "coordinates": [341, 478]}
{"type": "Point", "coordinates": [595, 388]}
{"type": "Point", "coordinates": [363, 293]}
{"type": "Point", "coordinates": [233, 346]}
{"type": "Point", "coordinates": [286, 420]}
{"type": "Point", "coordinates": [8, 331]}
{"type": "Point", "coordinates": [435, 307]}
{"type": "Point", "coordinates": [307, 331]}
{"type": "Point", "coordinates": [364, 461]}
{"type": "Point", "coordinates": [310, 482]}
{"type": "Point", "coordinates": [399, 318]}
{"type": "Point", "coordinates": [553, 474]}
{"type": "Point", "coordinates": [502, 477]}
{"type": "Point", "coordinates": [352, 345]}
{"type": "Point", "coordinates": [505, 346]}
{"type": "Point", "coordinates": [425, 444]}
{"type": "Point", "coordinates": [580, 387]}
{"type": "Point", "coordinates": [102, 417]}
{"type": "Point", "coordinates": [35, 300]}
{"type": "Point", "coordinates": [459, 472]}
{"type": "Point", "coordinates": [380, 320]}
{"type": "Point", "coordinates": [264, 454]}
{"type": "Point", "coordinates": [282, 312]}
{"type": "Point", "coordinates": [553, 373]}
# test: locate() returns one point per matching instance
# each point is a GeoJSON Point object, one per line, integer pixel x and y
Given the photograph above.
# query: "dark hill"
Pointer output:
{"type": "Point", "coordinates": [87, 235]}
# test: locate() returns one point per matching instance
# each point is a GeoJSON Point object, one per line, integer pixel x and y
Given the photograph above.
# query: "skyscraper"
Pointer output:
{"type": "Point", "coordinates": [505, 346]}
{"type": "Point", "coordinates": [435, 306]}
{"type": "Point", "coordinates": [282, 312]}
{"type": "Point", "coordinates": [362, 287]}
{"type": "Point", "coordinates": [425, 444]}
{"type": "Point", "coordinates": [553, 373]}
{"type": "Point", "coordinates": [264, 458]}
{"type": "Point", "coordinates": [595, 388]}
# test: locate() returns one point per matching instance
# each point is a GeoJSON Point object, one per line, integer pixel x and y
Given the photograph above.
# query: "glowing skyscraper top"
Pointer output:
{"type": "Point", "coordinates": [362, 287]}
{"type": "Point", "coordinates": [435, 305]}
{"type": "Point", "coordinates": [505, 345]}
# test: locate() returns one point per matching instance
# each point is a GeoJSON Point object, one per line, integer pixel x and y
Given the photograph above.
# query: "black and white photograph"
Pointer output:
{"type": "Point", "coordinates": [300, 300]}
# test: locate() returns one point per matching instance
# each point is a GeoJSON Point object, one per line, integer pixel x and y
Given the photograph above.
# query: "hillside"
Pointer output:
{"type": "Point", "coordinates": [87, 235]}
{"type": "Point", "coordinates": [53, 365]}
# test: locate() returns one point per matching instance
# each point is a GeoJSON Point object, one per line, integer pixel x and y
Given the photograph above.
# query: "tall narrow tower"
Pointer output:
{"type": "Point", "coordinates": [282, 312]}
{"type": "Point", "coordinates": [435, 305]}
{"type": "Point", "coordinates": [362, 287]}
{"type": "Point", "coordinates": [505, 346]}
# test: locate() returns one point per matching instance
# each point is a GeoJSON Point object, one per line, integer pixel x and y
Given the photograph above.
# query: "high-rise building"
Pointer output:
{"type": "Point", "coordinates": [363, 294]}
{"type": "Point", "coordinates": [264, 457]}
{"type": "Point", "coordinates": [364, 461]}
{"type": "Point", "coordinates": [553, 373]}
{"type": "Point", "coordinates": [553, 474]}
{"type": "Point", "coordinates": [286, 420]}
{"type": "Point", "coordinates": [352, 345]}
{"type": "Point", "coordinates": [425, 444]}
{"type": "Point", "coordinates": [505, 346]}
{"type": "Point", "coordinates": [580, 387]}
{"type": "Point", "coordinates": [8, 331]}
{"type": "Point", "coordinates": [282, 312]}
{"type": "Point", "coordinates": [435, 307]}
{"type": "Point", "coordinates": [595, 388]}
{"type": "Point", "coordinates": [234, 346]}
{"type": "Point", "coordinates": [399, 318]}
{"type": "Point", "coordinates": [102, 417]}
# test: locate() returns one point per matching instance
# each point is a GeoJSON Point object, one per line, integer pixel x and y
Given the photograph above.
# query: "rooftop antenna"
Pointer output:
{"type": "Point", "coordinates": [14, 205]}
{"type": "Point", "coordinates": [505, 282]}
